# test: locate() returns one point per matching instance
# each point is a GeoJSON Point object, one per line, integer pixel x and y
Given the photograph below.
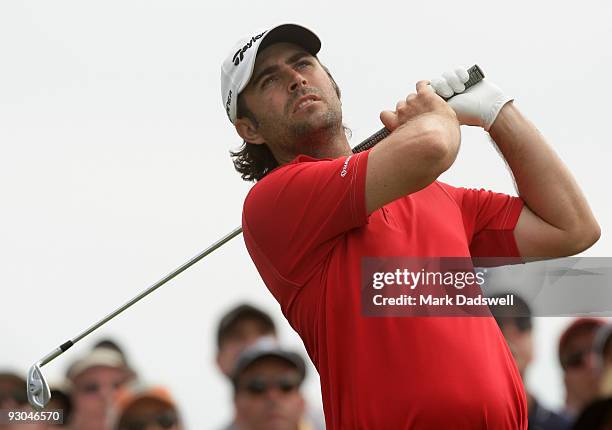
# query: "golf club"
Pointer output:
{"type": "Point", "coordinates": [38, 390]}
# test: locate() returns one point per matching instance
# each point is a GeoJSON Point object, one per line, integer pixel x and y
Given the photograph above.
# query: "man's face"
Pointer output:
{"type": "Point", "coordinates": [94, 394]}
{"type": "Point", "coordinates": [149, 414]}
{"type": "Point", "coordinates": [580, 366]}
{"type": "Point", "coordinates": [244, 333]}
{"type": "Point", "coordinates": [293, 100]}
{"type": "Point", "coordinates": [268, 396]}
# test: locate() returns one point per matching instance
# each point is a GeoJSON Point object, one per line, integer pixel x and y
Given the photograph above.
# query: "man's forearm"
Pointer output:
{"type": "Point", "coordinates": [544, 182]}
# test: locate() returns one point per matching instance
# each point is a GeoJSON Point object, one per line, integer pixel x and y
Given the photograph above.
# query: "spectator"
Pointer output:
{"type": "Point", "coordinates": [12, 394]}
{"type": "Point", "coordinates": [516, 325]}
{"type": "Point", "coordinates": [239, 328]}
{"type": "Point", "coordinates": [267, 383]}
{"type": "Point", "coordinates": [603, 349]}
{"type": "Point", "coordinates": [581, 375]}
{"type": "Point", "coordinates": [147, 409]}
{"type": "Point", "coordinates": [13, 397]}
{"type": "Point", "coordinates": [96, 379]}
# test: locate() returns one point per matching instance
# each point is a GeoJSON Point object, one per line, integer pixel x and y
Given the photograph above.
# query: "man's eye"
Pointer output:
{"type": "Point", "coordinates": [303, 63]}
{"type": "Point", "coordinates": [267, 81]}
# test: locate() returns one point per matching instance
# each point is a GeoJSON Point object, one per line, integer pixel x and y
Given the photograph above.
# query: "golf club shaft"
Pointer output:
{"type": "Point", "coordinates": [65, 346]}
{"type": "Point", "coordinates": [476, 76]}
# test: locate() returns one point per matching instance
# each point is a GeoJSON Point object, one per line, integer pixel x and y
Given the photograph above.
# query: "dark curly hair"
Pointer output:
{"type": "Point", "coordinates": [254, 161]}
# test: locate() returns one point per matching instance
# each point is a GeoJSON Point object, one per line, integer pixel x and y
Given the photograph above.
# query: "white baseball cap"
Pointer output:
{"type": "Point", "coordinates": [238, 67]}
{"type": "Point", "coordinates": [98, 357]}
{"type": "Point", "coordinates": [266, 346]}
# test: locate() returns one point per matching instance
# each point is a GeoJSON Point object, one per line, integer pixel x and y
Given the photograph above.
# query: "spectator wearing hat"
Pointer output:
{"type": "Point", "coordinates": [603, 349]}
{"type": "Point", "coordinates": [267, 381]}
{"type": "Point", "coordinates": [581, 373]}
{"type": "Point", "coordinates": [13, 397]}
{"type": "Point", "coordinates": [516, 324]}
{"type": "Point", "coordinates": [147, 409]}
{"type": "Point", "coordinates": [96, 379]}
{"type": "Point", "coordinates": [241, 327]}
{"type": "Point", "coordinates": [238, 328]}
{"type": "Point", "coordinates": [598, 414]}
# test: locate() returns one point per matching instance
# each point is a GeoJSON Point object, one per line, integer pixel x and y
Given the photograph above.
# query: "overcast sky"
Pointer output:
{"type": "Point", "coordinates": [114, 165]}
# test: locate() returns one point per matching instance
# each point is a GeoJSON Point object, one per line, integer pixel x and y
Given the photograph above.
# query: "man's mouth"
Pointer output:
{"type": "Point", "coordinates": [305, 101]}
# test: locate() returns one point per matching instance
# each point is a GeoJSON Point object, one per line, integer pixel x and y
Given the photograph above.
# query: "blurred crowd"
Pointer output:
{"type": "Point", "coordinates": [585, 356]}
{"type": "Point", "coordinates": [102, 390]}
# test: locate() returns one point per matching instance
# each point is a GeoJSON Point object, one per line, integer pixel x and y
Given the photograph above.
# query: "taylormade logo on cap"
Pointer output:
{"type": "Point", "coordinates": [238, 56]}
{"type": "Point", "coordinates": [228, 104]}
{"type": "Point", "coordinates": [237, 69]}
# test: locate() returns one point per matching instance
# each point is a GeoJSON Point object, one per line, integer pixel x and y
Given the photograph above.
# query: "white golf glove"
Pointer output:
{"type": "Point", "coordinates": [478, 106]}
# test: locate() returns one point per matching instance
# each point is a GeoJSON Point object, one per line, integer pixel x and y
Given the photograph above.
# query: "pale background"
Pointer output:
{"type": "Point", "coordinates": [114, 167]}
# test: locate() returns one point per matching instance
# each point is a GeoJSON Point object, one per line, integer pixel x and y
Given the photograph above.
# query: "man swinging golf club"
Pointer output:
{"type": "Point", "coordinates": [317, 209]}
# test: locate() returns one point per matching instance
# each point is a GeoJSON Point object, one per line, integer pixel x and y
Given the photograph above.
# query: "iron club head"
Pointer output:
{"type": "Point", "coordinates": [39, 393]}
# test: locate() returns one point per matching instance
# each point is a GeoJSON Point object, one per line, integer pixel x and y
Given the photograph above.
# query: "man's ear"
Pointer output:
{"type": "Point", "coordinates": [247, 130]}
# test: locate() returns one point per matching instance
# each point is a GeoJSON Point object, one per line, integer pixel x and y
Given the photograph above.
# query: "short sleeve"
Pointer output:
{"type": "Point", "coordinates": [489, 219]}
{"type": "Point", "coordinates": [293, 217]}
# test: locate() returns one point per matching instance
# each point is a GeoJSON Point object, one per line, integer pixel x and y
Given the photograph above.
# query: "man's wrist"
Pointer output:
{"type": "Point", "coordinates": [504, 119]}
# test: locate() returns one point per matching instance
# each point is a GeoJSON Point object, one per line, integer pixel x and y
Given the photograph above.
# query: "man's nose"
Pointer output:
{"type": "Point", "coordinates": [297, 81]}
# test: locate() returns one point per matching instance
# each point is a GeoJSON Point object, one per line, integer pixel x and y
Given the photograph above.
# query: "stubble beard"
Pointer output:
{"type": "Point", "coordinates": [315, 129]}
{"type": "Point", "coordinates": [314, 135]}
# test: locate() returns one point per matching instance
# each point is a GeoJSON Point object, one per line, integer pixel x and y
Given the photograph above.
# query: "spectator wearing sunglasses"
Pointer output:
{"type": "Point", "coordinates": [147, 409]}
{"type": "Point", "coordinates": [581, 373]}
{"type": "Point", "coordinates": [603, 349]}
{"type": "Point", "coordinates": [96, 380]}
{"type": "Point", "coordinates": [516, 324]}
{"type": "Point", "coordinates": [241, 327]}
{"type": "Point", "coordinates": [267, 381]}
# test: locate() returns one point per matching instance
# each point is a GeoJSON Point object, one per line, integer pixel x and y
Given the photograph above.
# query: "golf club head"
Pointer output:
{"type": "Point", "coordinates": [39, 393]}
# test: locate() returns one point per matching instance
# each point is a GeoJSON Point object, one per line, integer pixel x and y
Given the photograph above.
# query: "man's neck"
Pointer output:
{"type": "Point", "coordinates": [318, 147]}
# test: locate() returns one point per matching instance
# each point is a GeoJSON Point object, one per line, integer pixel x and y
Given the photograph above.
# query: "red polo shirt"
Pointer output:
{"type": "Point", "coordinates": [306, 229]}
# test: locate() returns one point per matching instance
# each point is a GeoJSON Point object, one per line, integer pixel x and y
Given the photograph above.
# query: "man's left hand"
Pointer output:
{"type": "Point", "coordinates": [478, 105]}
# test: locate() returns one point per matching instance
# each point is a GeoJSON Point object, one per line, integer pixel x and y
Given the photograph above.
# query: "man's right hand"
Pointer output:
{"type": "Point", "coordinates": [424, 143]}
{"type": "Point", "coordinates": [424, 102]}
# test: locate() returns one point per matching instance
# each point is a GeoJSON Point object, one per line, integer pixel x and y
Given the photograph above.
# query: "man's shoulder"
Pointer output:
{"type": "Point", "coordinates": [284, 176]}
{"type": "Point", "coordinates": [280, 172]}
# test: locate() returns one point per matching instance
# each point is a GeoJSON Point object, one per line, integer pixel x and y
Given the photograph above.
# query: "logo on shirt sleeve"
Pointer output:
{"type": "Point", "coordinates": [345, 167]}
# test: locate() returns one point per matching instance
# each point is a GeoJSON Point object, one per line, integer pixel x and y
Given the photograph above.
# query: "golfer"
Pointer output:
{"type": "Point", "coordinates": [317, 209]}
